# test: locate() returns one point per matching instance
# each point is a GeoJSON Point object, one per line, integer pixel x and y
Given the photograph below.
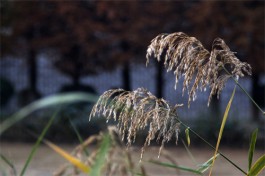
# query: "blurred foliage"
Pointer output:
{"type": "Point", "coordinates": [240, 23]}
{"type": "Point", "coordinates": [6, 91]}
{"type": "Point", "coordinates": [27, 96]}
{"type": "Point", "coordinates": [70, 114]}
{"type": "Point", "coordinates": [90, 36]}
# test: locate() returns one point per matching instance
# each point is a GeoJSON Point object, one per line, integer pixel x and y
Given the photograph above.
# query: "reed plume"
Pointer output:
{"type": "Point", "coordinates": [136, 110]}
{"type": "Point", "coordinates": [188, 58]}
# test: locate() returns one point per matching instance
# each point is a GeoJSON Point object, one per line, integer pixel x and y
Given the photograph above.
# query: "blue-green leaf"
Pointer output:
{"type": "Point", "coordinates": [205, 166]}
{"type": "Point", "coordinates": [46, 102]}
{"type": "Point", "coordinates": [183, 168]}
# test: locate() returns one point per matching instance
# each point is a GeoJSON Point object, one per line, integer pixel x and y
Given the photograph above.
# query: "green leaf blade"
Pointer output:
{"type": "Point", "coordinates": [257, 167]}
{"type": "Point", "coordinates": [183, 168]}
{"type": "Point", "coordinates": [222, 127]}
{"type": "Point", "coordinates": [252, 147]}
{"type": "Point", "coordinates": [37, 143]}
{"type": "Point", "coordinates": [205, 166]}
{"type": "Point", "coordinates": [101, 156]}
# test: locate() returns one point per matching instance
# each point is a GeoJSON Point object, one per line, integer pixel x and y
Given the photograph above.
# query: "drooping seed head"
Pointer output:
{"type": "Point", "coordinates": [189, 59]}
{"type": "Point", "coordinates": [137, 110]}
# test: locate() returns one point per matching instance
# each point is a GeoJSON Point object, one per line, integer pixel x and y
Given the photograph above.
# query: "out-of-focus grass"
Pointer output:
{"type": "Point", "coordinates": [44, 103]}
{"type": "Point", "coordinates": [55, 100]}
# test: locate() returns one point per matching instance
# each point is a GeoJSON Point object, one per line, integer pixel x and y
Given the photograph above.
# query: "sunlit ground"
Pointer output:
{"type": "Point", "coordinates": [46, 162]}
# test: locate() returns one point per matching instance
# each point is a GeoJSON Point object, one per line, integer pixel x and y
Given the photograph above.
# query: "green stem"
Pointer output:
{"type": "Point", "coordinates": [249, 96]}
{"type": "Point", "coordinates": [210, 145]}
{"type": "Point", "coordinates": [239, 85]}
{"type": "Point", "coordinates": [37, 143]}
{"type": "Point", "coordinates": [79, 137]}
{"type": "Point", "coordinates": [9, 163]}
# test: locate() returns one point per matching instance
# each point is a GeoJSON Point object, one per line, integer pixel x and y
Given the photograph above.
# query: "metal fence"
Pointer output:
{"type": "Point", "coordinates": [50, 81]}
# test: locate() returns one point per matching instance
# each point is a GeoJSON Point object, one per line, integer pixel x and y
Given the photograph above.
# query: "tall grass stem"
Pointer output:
{"type": "Point", "coordinates": [211, 146]}
{"type": "Point", "coordinates": [79, 137]}
{"type": "Point", "coordinates": [35, 147]}
{"type": "Point", "coordinates": [239, 85]}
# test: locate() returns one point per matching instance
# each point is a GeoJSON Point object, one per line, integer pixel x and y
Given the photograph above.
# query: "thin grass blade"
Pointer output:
{"type": "Point", "coordinates": [189, 153]}
{"type": "Point", "coordinates": [76, 162]}
{"type": "Point", "coordinates": [257, 167]}
{"type": "Point", "coordinates": [79, 137]}
{"type": "Point", "coordinates": [222, 127]}
{"type": "Point", "coordinates": [101, 156]}
{"type": "Point", "coordinates": [36, 145]}
{"type": "Point", "coordinates": [252, 147]}
{"type": "Point", "coordinates": [205, 166]}
{"type": "Point", "coordinates": [211, 146]}
{"type": "Point", "coordinates": [183, 168]}
{"type": "Point", "coordinates": [9, 163]}
{"type": "Point", "coordinates": [46, 102]}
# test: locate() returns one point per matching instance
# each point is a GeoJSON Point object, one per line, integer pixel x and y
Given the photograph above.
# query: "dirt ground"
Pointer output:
{"type": "Point", "coordinates": [45, 162]}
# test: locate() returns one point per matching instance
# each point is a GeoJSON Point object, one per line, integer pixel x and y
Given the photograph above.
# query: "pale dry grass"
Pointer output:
{"type": "Point", "coordinates": [201, 69]}
{"type": "Point", "coordinates": [188, 58]}
{"type": "Point", "coordinates": [136, 110]}
{"type": "Point", "coordinates": [118, 160]}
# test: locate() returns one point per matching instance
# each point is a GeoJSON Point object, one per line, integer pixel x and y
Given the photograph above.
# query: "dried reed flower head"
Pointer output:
{"type": "Point", "coordinates": [118, 161]}
{"type": "Point", "coordinates": [135, 110]}
{"type": "Point", "coordinates": [187, 56]}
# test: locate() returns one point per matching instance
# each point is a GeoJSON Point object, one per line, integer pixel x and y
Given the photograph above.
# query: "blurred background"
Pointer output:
{"type": "Point", "coordinates": [50, 47]}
